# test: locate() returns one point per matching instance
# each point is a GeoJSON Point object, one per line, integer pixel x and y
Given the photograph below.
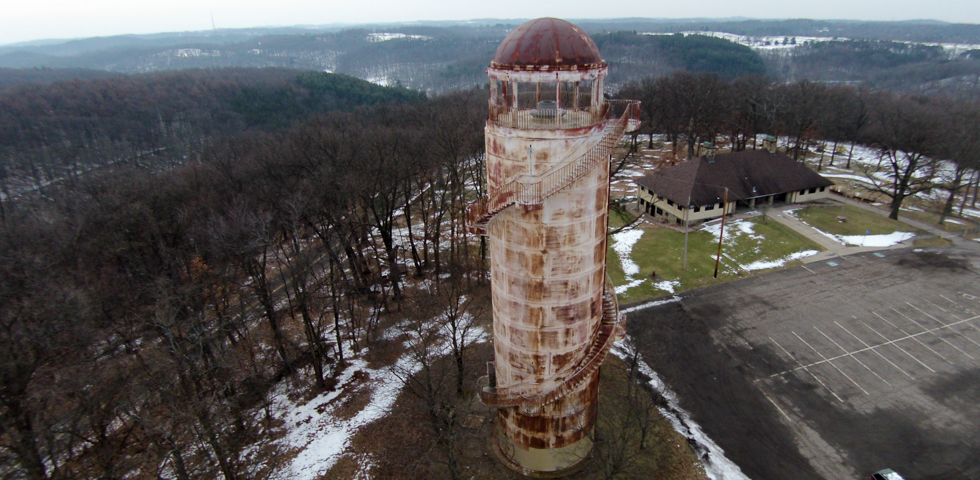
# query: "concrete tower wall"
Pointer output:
{"type": "Point", "coordinates": [549, 136]}
{"type": "Point", "coordinates": [548, 275]}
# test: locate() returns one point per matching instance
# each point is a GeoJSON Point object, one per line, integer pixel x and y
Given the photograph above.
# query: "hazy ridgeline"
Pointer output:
{"type": "Point", "coordinates": [174, 243]}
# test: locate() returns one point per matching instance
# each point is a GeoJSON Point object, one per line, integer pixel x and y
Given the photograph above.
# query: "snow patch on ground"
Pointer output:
{"type": "Point", "coordinates": [766, 264]}
{"type": "Point", "coordinates": [733, 229]}
{"type": "Point", "coordinates": [880, 241]}
{"type": "Point", "coordinates": [623, 247]}
{"type": "Point", "coordinates": [763, 43]}
{"type": "Point", "coordinates": [319, 436]}
{"type": "Point", "coordinates": [971, 212]}
{"type": "Point", "coordinates": [716, 465]}
{"type": "Point", "coordinates": [382, 80]}
{"type": "Point", "coordinates": [675, 298]}
{"type": "Point", "coordinates": [667, 285]}
{"type": "Point", "coordinates": [845, 176]}
{"type": "Point", "coordinates": [384, 37]}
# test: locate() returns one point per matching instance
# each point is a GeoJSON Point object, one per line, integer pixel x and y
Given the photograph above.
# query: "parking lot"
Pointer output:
{"type": "Point", "coordinates": [885, 350]}
{"type": "Point", "coordinates": [833, 370]}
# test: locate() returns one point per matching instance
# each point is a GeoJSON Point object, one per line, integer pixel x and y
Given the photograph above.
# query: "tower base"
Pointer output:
{"type": "Point", "coordinates": [541, 463]}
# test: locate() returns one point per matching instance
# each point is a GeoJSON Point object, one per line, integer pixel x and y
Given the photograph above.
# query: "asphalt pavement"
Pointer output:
{"type": "Point", "coordinates": [835, 369]}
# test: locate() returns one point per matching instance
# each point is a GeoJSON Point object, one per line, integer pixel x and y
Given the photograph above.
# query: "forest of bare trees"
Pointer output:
{"type": "Point", "coordinates": [172, 246]}
{"type": "Point", "coordinates": [925, 142]}
{"type": "Point", "coordinates": [147, 311]}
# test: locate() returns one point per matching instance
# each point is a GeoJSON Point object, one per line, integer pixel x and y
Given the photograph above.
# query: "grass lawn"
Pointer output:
{"type": "Point", "coordinates": [619, 217]}
{"type": "Point", "coordinates": [661, 250]}
{"type": "Point", "coordinates": [933, 243]}
{"type": "Point", "coordinates": [952, 224]}
{"type": "Point", "coordinates": [858, 220]}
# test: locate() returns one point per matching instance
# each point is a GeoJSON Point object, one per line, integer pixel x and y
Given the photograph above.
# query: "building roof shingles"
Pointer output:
{"type": "Point", "coordinates": [747, 174]}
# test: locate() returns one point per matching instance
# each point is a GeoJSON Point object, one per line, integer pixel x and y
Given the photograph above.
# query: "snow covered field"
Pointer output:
{"type": "Point", "coordinates": [789, 42]}
{"type": "Point", "coordinates": [315, 431]}
{"type": "Point", "coordinates": [763, 43]}
{"type": "Point", "coordinates": [623, 246]}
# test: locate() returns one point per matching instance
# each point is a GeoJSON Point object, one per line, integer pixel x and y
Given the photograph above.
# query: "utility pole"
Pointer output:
{"type": "Point", "coordinates": [724, 212]}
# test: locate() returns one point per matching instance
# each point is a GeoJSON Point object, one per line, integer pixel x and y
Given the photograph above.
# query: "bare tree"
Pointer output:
{"type": "Point", "coordinates": [624, 427]}
{"type": "Point", "coordinates": [962, 148]}
{"type": "Point", "coordinates": [906, 132]}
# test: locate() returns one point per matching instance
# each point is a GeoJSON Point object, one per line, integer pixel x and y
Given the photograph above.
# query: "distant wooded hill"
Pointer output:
{"type": "Point", "coordinates": [443, 56]}
{"type": "Point", "coordinates": [54, 132]}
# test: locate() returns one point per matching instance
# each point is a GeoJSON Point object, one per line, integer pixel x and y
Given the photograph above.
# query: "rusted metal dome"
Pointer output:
{"type": "Point", "coordinates": [547, 43]}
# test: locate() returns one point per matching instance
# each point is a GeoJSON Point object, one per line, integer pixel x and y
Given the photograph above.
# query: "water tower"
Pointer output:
{"type": "Point", "coordinates": [549, 138]}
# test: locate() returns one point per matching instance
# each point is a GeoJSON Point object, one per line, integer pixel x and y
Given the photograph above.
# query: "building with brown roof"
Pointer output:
{"type": "Point", "coordinates": [693, 191]}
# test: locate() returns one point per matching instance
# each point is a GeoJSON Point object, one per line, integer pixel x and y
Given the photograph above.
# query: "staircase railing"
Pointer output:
{"type": "Point", "coordinates": [530, 397]}
{"type": "Point", "coordinates": [530, 191]}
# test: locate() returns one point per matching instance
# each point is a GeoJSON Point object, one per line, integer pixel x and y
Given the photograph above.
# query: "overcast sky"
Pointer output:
{"type": "Point", "coordinates": [22, 20]}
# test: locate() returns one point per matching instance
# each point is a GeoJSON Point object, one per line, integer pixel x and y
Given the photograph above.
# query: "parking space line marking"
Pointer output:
{"type": "Point", "coordinates": [811, 271]}
{"type": "Point", "coordinates": [969, 324]}
{"type": "Point", "coordinates": [805, 369]}
{"type": "Point", "coordinates": [777, 406]}
{"type": "Point", "coordinates": [933, 304]}
{"type": "Point", "coordinates": [941, 323]}
{"type": "Point", "coordinates": [886, 342]}
{"type": "Point", "coordinates": [900, 329]}
{"type": "Point", "coordinates": [948, 300]}
{"type": "Point", "coordinates": [933, 334]}
{"type": "Point", "coordinates": [831, 363]}
{"type": "Point", "coordinates": [852, 356]}
{"type": "Point", "coordinates": [899, 347]}
{"type": "Point", "coordinates": [876, 352]}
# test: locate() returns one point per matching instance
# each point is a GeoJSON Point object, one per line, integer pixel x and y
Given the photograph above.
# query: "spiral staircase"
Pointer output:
{"type": "Point", "coordinates": [529, 192]}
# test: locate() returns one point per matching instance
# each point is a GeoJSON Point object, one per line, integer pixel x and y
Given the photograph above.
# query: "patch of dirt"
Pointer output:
{"type": "Point", "coordinates": [355, 397]}
{"type": "Point", "coordinates": [404, 446]}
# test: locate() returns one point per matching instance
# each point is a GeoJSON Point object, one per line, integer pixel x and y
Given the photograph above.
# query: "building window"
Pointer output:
{"type": "Point", "coordinates": [813, 190]}
{"type": "Point", "coordinates": [659, 211]}
{"type": "Point", "coordinates": [823, 188]}
{"type": "Point", "coordinates": [697, 209]}
{"type": "Point", "coordinates": [670, 202]}
{"type": "Point", "coordinates": [709, 207]}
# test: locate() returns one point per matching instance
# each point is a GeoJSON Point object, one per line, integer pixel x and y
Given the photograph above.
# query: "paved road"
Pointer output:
{"type": "Point", "coordinates": [833, 370]}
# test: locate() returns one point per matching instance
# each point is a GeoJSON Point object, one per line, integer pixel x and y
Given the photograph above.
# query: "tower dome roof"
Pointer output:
{"type": "Point", "coordinates": [547, 42]}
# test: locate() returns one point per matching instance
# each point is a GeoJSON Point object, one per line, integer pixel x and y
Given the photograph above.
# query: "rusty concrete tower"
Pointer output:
{"type": "Point", "coordinates": [549, 139]}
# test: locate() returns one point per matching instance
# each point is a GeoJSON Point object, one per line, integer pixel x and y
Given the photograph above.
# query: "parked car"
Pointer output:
{"type": "Point", "coordinates": [886, 474]}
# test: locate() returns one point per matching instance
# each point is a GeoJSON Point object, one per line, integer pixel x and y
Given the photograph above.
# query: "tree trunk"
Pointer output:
{"type": "Point", "coordinates": [966, 193]}
{"type": "Point", "coordinates": [948, 206]}
{"type": "Point", "coordinates": [976, 189]}
{"type": "Point", "coordinates": [411, 238]}
{"type": "Point", "coordinates": [180, 469]}
{"type": "Point", "coordinates": [896, 205]}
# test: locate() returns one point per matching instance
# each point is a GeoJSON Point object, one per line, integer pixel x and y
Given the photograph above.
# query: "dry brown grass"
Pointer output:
{"type": "Point", "coordinates": [402, 445]}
